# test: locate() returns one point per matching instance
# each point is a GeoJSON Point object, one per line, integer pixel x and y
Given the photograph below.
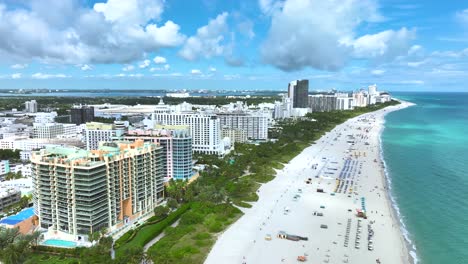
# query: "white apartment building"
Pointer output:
{"type": "Point", "coordinates": [372, 94]}
{"type": "Point", "coordinates": [96, 132]}
{"type": "Point", "coordinates": [360, 99]}
{"type": "Point", "coordinates": [235, 135]}
{"type": "Point", "coordinates": [28, 144]}
{"type": "Point", "coordinates": [70, 129]}
{"type": "Point", "coordinates": [254, 123]}
{"type": "Point", "coordinates": [344, 101]}
{"type": "Point", "coordinates": [25, 169]}
{"type": "Point", "coordinates": [45, 117]}
{"type": "Point", "coordinates": [30, 106]}
{"type": "Point", "coordinates": [47, 130]}
{"type": "Point", "coordinates": [205, 129]}
{"type": "Point", "coordinates": [283, 109]}
{"type": "Point", "coordinates": [4, 167]}
{"type": "Point", "coordinates": [25, 155]}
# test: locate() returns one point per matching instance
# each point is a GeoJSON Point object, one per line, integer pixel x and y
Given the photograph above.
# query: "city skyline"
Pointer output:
{"type": "Point", "coordinates": [400, 45]}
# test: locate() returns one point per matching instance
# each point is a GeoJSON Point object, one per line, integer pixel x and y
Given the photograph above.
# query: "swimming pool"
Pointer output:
{"type": "Point", "coordinates": [19, 217]}
{"type": "Point", "coordinates": [59, 243]}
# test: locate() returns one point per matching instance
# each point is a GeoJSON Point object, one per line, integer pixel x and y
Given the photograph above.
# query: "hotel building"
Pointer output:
{"type": "Point", "coordinates": [255, 124]}
{"type": "Point", "coordinates": [176, 144]}
{"type": "Point", "coordinates": [205, 129]}
{"type": "Point", "coordinates": [77, 192]}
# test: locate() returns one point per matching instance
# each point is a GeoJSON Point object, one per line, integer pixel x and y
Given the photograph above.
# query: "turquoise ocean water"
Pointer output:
{"type": "Point", "coordinates": [425, 148]}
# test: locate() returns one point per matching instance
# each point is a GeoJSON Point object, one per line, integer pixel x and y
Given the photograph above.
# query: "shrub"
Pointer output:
{"type": "Point", "coordinates": [202, 236]}
{"type": "Point", "coordinates": [147, 233]}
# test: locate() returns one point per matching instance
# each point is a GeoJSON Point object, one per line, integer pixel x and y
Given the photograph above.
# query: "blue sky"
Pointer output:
{"type": "Point", "coordinates": [234, 44]}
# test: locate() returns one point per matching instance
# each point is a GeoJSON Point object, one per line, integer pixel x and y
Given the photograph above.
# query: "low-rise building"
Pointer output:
{"type": "Point", "coordinates": [47, 130]}
{"type": "Point", "coordinates": [236, 135]}
{"type": "Point", "coordinates": [96, 132]}
{"type": "Point", "coordinates": [8, 196]}
{"type": "Point", "coordinates": [4, 167]}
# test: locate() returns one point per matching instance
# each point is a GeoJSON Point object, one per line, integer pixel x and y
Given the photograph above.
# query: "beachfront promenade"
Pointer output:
{"type": "Point", "coordinates": [345, 163]}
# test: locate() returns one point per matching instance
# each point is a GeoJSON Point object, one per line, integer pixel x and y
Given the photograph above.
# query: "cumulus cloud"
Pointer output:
{"type": "Point", "coordinates": [40, 75]}
{"type": "Point", "coordinates": [245, 27]}
{"type": "Point", "coordinates": [314, 33]}
{"type": "Point", "coordinates": [270, 6]}
{"type": "Point", "coordinates": [159, 60]}
{"type": "Point", "coordinates": [208, 41]}
{"type": "Point", "coordinates": [16, 75]}
{"type": "Point", "coordinates": [164, 68]}
{"type": "Point", "coordinates": [195, 72]}
{"type": "Point", "coordinates": [68, 32]}
{"type": "Point", "coordinates": [377, 72]}
{"type": "Point", "coordinates": [229, 77]}
{"type": "Point", "coordinates": [384, 45]}
{"type": "Point", "coordinates": [462, 17]}
{"type": "Point", "coordinates": [212, 69]}
{"type": "Point", "coordinates": [128, 68]}
{"type": "Point", "coordinates": [19, 66]}
{"type": "Point", "coordinates": [144, 64]}
{"type": "Point", "coordinates": [86, 67]}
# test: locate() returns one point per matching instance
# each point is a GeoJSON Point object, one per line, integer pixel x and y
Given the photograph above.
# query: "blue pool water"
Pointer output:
{"type": "Point", "coordinates": [19, 217]}
{"type": "Point", "coordinates": [59, 243]}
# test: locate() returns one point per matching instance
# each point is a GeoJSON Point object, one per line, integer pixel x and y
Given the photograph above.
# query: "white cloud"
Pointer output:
{"type": "Point", "coordinates": [16, 75]}
{"type": "Point", "coordinates": [128, 68]}
{"type": "Point", "coordinates": [317, 34]}
{"type": "Point", "coordinates": [175, 74]}
{"type": "Point", "coordinates": [212, 69]}
{"type": "Point", "coordinates": [85, 67]}
{"type": "Point", "coordinates": [208, 40]}
{"type": "Point", "coordinates": [462, 17]}
{"type": "Point", "coordinates": [164, 68]}
{"type": "Point", "coordinates": [246, 28]}
{"type": "Point", "coordinates": [270, 6]}
{"type": "Point", "coordinates": [377, 72]}
{"type": "Point", "coordinates": [144, 64]}
{"type": "Point", "coordinates": [384, 45]}
{"type": "Point", "coordinates": [130, 11]}
{"type": "Point", "coordinates": [159, 60]}
{"type": "Point", "coordinates": [136, 75]}
{"type": "Point", "coordinates": [40, 75]}
{"type": "Point", "coordinates": [111, 32]}
{"type": "Point", "coordinates": [132, 75]}
{"type": "Point", "coordinates": [19, 66]}
{"type": "Point", "coordinates": [231, 76]}
{"type": "Point", "coordinates": [195, 72]}
{"type": "Point", "coordinates": [416, 64]}
{"type": "Point", "coordinates": [413, 82]}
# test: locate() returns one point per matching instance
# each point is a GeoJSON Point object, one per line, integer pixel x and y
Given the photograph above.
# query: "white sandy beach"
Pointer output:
{"type": "Point", "coordinates": [362, 184]}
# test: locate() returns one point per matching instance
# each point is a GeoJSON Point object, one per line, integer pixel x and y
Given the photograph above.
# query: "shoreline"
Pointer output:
{"type": "Point", "coordinates": [409, 247]}
{"type": "Point", "coordinates": [245, 241]}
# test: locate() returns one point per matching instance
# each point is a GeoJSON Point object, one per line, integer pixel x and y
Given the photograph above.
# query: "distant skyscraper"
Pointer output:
{"type": "Point", "coordinates": [30, 106]}
{"type": "Point", "coordinates": [298, 92]}
{"type": "Point", "coordinates": [82, 114]}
